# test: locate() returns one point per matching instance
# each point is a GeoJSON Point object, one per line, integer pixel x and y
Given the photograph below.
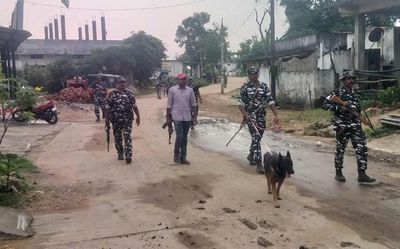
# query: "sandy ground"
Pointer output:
{"type": "Point", "coordinates": [88, 199]}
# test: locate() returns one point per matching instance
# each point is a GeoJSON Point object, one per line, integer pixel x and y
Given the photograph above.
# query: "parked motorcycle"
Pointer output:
{"type": "Point", "coordinates": [47, 112]}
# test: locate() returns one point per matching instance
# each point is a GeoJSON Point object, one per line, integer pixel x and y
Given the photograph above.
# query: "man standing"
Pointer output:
{"type": "Point", "coordinates": [99, 97]}
{"type": "Point", "coordinates": [196, 90]}
{"type": "Point", "coordinates": [253, 99]}
{"type": "Point", "coordinates": [181, 105]}
{"type": "Point", "coordinates": [348, 126]}
{"type": "Point", "coordinates": [121, 104]}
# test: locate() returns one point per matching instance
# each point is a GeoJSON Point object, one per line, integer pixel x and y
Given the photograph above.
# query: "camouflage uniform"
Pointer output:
{"type": "Point", "coordinates": [255, 96]}
{"type": "Point", "coordinates": [120, 105]}
{"type": "Point", "coordinates": [347, 126]}
{"type": "Point", "coordinates": [99, 98]}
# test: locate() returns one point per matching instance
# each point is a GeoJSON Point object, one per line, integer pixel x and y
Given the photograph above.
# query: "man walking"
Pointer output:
{"type": "Point", "coordinates": [254, 97]}
{"type": "Point", "coordinates": [348, 126]}
{"type": "Point", "coordinates": [121, 104]}
{"type": "Point", "coordinates": [99, 97]}
{"type": "Point", "coordinates": [196, 90]}
{"type": "Point", "coordinates": [181, 104]}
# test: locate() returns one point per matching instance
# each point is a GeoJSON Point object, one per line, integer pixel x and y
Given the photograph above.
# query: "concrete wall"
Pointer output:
{"type": "Point", "coordinates": [341, 59]}
{"type": "Point", "coordinates": [231, 68]}
{"type": "Point", "coordinates": [295, 64]}
{"type": "Point", "coordinates": [172, 67]}
{"type": "Point", "coordinates": [264, 75]}
{"type": "Point", "coordinates": [304, 87]}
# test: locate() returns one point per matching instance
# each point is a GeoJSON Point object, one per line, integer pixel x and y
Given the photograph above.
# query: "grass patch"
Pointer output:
{"type": "Point", "coordinates": [310, 115]}
{"type": "Point", "coordinates": [12, 169]}
{"type": "Point", "coordinates": [380, 131]}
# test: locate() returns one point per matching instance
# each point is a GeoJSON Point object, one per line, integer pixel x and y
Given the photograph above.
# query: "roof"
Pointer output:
{"type": "Point", "coordinates": [13, 37]}
{"type": "Point", "coordinates": [351, 7]}
{"type": "Point", "coordinates": [57, 47]}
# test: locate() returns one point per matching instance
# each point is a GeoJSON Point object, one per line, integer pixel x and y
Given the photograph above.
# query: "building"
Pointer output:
{"type": "Point", "coordinates": [43, 52]}
{"type": "Point", "coordinates": [172, 67]}
{"type": "Point", "coordinates": [308, 66]}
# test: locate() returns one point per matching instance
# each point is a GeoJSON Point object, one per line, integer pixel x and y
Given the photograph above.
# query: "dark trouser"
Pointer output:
{"type": "Point", "coordinates": [255, 147]}
{"type": "Point", "coordinates": [182, 130]}
{"type": "Point", "coordinates": [122, 133]}
{"type": "Point", "coordinates": [357, 137]}
{"type": "Point", "coordinates": [99, 104]}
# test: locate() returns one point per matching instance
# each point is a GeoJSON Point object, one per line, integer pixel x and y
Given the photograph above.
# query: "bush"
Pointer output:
{"type": "Point", "coordinates": [390, 96]}
{"type": "Point", "coordinates": [26, 98]}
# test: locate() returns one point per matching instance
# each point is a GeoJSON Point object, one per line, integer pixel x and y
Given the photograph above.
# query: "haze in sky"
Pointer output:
{"type": "Point", "coordinates": [238, 15]}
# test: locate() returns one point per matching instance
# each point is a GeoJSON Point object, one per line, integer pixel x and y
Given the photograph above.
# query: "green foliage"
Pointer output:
{"type": "Point", "coordinates": [12, 168]}
{"type": "Point", "coordinates": [26, 98]}
{"type": "Point", "coordinates": [307, 17]}
{"type": "Point", "coordinates": [147, 52]}
{"type": "Point", "coordinates": [36, 76]}
{"type": "Point", "coordinates": [379, 131]}
{"type": "Point", "coordinates": [200, 43]}
{"type": "Point", "coordinates": [250, 49]}
{"type": "Point", "coordinates": [390, 96]}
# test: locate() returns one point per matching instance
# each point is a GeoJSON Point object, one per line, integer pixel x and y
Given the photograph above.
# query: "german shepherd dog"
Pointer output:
{"type": "Point", "coordinates": [277, 168]}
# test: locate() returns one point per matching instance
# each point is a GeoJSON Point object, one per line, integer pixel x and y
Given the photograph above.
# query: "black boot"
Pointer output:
{"type": "Point", "coordinates": [120, 157]}
{"type": "Point", "coordinates": [260, 168]}
{"type": "Point", "coordinates": [363, 178]}
{"type": "Point", "coordinates": [128, 160]}
{"type": "Point", "coordinates": [339, 176]}
{"type": "Point", "coordinates": [97, 118]}
{"type": "Point", "coordinates": [251, 160]}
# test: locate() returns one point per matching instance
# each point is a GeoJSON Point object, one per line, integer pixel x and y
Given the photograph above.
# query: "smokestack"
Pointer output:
{"type": "Point", "coordinates": [46, 33]}
{"type": "Point", "coordinates": [86, 32]}
{"type": "Point", "coordinates": [51, 31]}
{"type": "Point", "coordinates": [103, 28]}
{"type": "Point", "coordinates": [94, 27]}
{"type": "Point", "coordinates": [56, 34]}
{"type": "Point", "coordinates": [63, 34]}
{"type": "Point", "coordinates": [80, 33]}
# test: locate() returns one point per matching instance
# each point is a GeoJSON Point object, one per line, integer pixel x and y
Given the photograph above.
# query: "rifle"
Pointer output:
{"type": "Point", "coordinates": [108, 137]}
{"type": "Point", "coordinates": [367, 122]}
{"type": "Point", "coordinates": [170, 129]}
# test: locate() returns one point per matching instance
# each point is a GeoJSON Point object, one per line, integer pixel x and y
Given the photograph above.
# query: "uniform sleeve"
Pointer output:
{"type": "Point", "coordinates": [133, 100]}
{"type": "Point", "coordinates": [329, 105]}
{"type": "Point", "coordinates": [270, 99]}
{"type": "Point", "coordinates": [108, 101]}
{"type": "Point", "coordinates": [243, 96]}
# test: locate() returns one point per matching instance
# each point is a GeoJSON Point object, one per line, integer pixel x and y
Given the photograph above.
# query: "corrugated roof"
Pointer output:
{"type": "Point", "coordinates": [55, 47]}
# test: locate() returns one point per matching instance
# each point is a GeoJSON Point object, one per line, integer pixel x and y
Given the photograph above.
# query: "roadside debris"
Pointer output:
{"type": "Point", "coordinates": [248, 224]}
{"type": "Point", "coordinates": [263, 242]}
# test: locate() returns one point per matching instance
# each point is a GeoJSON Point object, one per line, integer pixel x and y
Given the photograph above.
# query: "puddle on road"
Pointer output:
{"type": "Point", "coordinates": [213, 134]}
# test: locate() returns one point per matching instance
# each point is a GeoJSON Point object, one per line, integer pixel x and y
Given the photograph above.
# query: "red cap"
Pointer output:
{"type": "Point", "coordinates": [181, 76]}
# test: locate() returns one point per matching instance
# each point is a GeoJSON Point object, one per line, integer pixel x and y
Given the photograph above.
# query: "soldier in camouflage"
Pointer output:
{"type": "Point", "coordinates": [348, 126]}
{"type": "Point", "coordinates": [254, 98]}
{"type": "Point", "coordinates": [99, 97]}
{"type": "Point", "coordinates": [121, 104]}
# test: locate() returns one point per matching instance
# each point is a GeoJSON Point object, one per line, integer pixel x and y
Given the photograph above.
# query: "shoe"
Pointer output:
{"type": "Point", "coordinates": [120, 157]}
{"type": "Point", "coordinates": [363, 178]}
{"type": "Point", "coordinates": [97, 119]}
{"type": "Point", "coordinates": [251, 160]}
{"type": "Point", "coordinates": [177, 161]}
{"type": "Point", "coordinates": [260, 168]}
{"type": "Point", "coordinates": [185, 161]}
{"type": "Point", "coordinates": [128, 160]}
{"type": "Point", "coordinates": [339, 176]}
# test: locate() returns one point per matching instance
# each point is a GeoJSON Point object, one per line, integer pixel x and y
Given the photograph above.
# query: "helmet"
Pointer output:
{"type": "Point", "coordinates": [347, 74]}
{"type": "Point", "coordinates": [252, 70]}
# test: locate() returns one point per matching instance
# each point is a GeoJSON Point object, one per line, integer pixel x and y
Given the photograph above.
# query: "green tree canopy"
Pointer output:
{"type": "Point", "coordinates": [148, 53]}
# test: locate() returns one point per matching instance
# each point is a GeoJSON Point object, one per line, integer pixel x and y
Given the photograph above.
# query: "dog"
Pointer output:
{"type": "Point", "coordinates": [277, 168]}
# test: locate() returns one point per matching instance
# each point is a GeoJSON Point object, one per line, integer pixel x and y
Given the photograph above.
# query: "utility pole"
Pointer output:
{"type": "Point", "coordinates": [273, 52]}
{"type": "Point", "coordinates": [222, 55]}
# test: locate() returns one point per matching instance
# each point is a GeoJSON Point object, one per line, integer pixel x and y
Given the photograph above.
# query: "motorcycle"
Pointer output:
{"type": "Point", "coordinates": [47, 112]}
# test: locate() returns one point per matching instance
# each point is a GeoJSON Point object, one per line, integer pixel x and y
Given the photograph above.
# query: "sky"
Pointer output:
{"type": "Point", "coordinates": [238, 16]}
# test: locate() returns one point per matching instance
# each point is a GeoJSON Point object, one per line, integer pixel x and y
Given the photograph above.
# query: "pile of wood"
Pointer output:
{"type": "Point", "coordinates": [74, 95]}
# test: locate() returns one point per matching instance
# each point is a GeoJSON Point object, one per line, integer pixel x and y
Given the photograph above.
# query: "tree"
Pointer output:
{"type": "Point", "coordinates": [190, 35]}
{"type": "Point", "coordinates": [60, 71]}
{"type": "Point", "coordinates": [307, 17]}
{"type": "Point", "coordinates": [36, 76]}
{"type": "Point", "coordinates": [147, 52]}
{"type": "Point", "coordinates": [253, 48]}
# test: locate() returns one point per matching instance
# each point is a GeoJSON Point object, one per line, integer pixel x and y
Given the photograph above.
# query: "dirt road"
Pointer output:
{"type": "Point", "coordinates": [93, 201]}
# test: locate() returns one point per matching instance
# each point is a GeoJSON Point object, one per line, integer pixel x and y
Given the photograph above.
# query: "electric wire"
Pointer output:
{"type": "Point", "coordinates": [119, 9]}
